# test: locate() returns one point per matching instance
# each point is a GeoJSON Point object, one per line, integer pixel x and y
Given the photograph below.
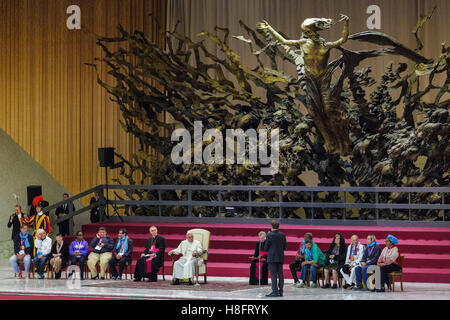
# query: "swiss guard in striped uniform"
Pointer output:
{"type": "Point", "coordinates": [39, 220]}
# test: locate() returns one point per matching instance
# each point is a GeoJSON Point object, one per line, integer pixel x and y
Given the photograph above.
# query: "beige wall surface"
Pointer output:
{"type": "Point", "coordinates": [50, 102]}
{"type": "Point", "coordinates": [17, 171]}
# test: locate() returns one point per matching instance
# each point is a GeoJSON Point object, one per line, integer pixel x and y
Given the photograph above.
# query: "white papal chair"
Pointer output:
{"type": "Point", "coordinates": [203, 236]}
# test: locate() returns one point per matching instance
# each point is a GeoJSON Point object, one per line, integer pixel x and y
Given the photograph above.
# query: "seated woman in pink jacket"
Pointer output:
{"type": "Point", "coordinates": [388, 260]}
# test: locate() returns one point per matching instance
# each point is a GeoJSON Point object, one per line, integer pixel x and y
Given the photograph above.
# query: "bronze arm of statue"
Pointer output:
{"type": "Point", "coordinates": [311, 25]}
{"type": "Point", "coordinates": [345, 32]}
{"type": "Point", "coordinates": [264, 25]}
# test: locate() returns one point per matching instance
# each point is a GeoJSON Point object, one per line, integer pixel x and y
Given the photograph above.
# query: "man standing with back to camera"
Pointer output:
{"type": "Point", "coordinates": [275, 246]}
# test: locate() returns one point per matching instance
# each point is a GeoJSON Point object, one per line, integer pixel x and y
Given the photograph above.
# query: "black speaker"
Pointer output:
{"type": "Point", "coordinates": [32, 192]}
{"type": "Point", "coordinates": [106, 157]}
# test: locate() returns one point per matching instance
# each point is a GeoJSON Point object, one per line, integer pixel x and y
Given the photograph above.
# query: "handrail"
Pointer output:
{"type": "Point", "coordinates": [70, 200]}
{"type": "Point", "coordinates": [251, 204]}
{"type": "Point", "coordinates": [280, 188]}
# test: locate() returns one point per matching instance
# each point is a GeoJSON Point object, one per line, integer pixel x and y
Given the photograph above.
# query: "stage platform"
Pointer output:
{"type": "Point", "coordinates": [226, 289]}
{"type": "Point", "coordinates": [426, 250]}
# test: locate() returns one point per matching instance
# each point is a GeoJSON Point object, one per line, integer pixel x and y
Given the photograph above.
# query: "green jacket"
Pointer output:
{"type": "Point", "coordinates": [317, 255]}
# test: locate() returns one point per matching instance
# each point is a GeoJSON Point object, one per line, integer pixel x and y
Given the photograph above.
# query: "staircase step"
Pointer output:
{"type": "Point", "coordinates": [426, 250]}
{"type": "Point", "coordinates": [166, 228]}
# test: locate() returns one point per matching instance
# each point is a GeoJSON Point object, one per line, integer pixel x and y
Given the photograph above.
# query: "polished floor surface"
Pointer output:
{"type": "Point", "coordinates": [11, 286]}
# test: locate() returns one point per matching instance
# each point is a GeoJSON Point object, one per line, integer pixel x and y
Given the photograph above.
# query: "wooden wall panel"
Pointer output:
{"type": "Point", "coordinates": [50, 102]}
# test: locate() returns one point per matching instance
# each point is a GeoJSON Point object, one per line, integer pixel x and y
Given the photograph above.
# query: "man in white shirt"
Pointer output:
{"type": "Point", "coordinates": [43, 245]}
{"type": "Point", "coordinates": [184, 268]}
{"type": "Point", "coordinates": [355, 252]}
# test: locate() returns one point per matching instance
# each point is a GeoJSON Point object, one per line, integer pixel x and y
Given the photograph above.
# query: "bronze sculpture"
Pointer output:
{"type": "Point", "coordinates": [382, 149]}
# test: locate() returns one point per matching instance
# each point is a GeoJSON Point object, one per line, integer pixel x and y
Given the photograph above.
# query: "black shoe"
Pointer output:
{"type": "Point", "coordinates": [176, 282]}
{"type": "Point", "coordinates": [380, 290]}
{"type": "Point", "coordinates": [280, 294]}
{"type": "Point", "coordinates": [334, 286]}
{"type": "Point", "coordinates": [136, 280]}
{"type": "Point", "coordinates": [358, 288]}
{"type": "Point", "coordinates": [346, 286]}
{"type": "Point", "coordinates": [190, 283]}
{"type": "Point", "coordinates": [272, 294]}
{"type": "Point", "coordinates": [95, 278]}
{"type": "Point", "coordinates": [102, 278]}
{"type": "Point", "coordinates": [327, 285]}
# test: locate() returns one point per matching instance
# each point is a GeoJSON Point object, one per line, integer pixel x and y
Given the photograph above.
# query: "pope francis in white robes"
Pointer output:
{"type": "Point", "coordinates": [184, 268]}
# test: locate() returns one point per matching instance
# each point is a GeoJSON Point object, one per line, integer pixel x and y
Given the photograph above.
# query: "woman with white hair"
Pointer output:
{"type": "Point", "coordinates": [258, 268]}
{"type": "Point", "coordinates": [184, 268]}
{"type": "Point", "coordinates": [43, 246]}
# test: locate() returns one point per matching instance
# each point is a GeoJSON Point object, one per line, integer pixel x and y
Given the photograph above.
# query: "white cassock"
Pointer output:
{"type": "Point", "coordinates": [184, 267]}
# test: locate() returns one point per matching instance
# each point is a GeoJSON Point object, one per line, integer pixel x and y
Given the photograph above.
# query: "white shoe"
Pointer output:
{"type": "Point", "coordinates": [301, 285]}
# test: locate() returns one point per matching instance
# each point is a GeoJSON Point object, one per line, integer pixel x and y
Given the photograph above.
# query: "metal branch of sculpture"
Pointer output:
{"type": "Point", "coordinates": [347, 136]}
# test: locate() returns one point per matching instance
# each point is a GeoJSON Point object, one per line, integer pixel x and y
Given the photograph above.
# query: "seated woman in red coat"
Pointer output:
{"type": "Point", "coordinates": [258, 268]}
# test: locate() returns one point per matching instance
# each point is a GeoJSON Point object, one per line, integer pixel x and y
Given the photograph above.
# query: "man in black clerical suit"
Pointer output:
{"type": "Point", "coordinates": [95, 211]}
{"type": "Point", "coordinates": [14, 221]}
{"type": "Point", "coordinates": [61, 212]}
{"type": "Point", "coordinates": [152, 259]}
{"type": "Point", "coordinates": [275, 245]}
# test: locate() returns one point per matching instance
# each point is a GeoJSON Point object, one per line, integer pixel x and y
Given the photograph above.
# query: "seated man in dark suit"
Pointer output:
{"type": "Point", "coordinates": [275, 245]}
{"type": "Point", "coordinates": [122, 254]}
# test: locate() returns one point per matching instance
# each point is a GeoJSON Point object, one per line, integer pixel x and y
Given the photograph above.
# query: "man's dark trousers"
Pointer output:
{"type": "Point", "coordinates": [276, 269]}
{"type": "Point", "coordinates": [275, 245]}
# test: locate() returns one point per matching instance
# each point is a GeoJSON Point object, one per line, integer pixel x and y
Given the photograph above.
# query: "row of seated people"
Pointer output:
{"type": "Point", "coordinates": [105, 253]}
{"type": "Point", "coordinates": [352, 263]}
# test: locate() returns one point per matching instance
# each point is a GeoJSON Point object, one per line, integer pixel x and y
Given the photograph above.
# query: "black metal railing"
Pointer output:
{"type": "Point", "coordinates": [375, 193]}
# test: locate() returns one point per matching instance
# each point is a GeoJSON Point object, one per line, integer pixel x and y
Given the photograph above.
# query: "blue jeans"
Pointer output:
{"type": "Point", "coordinates": [81, 260]}
{"type": "Point", "coordinates": [361, 271]}
{"type": "Point", "coordinates": [312, 272]}
{"type": "Point", "coordinates": [40, 264]}
{"type": "Point", "coordinates": [26, 263]}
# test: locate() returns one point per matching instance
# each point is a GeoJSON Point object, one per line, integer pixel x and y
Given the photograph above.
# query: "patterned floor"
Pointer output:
{"type": "Point", "coordinates": [226, 289]}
